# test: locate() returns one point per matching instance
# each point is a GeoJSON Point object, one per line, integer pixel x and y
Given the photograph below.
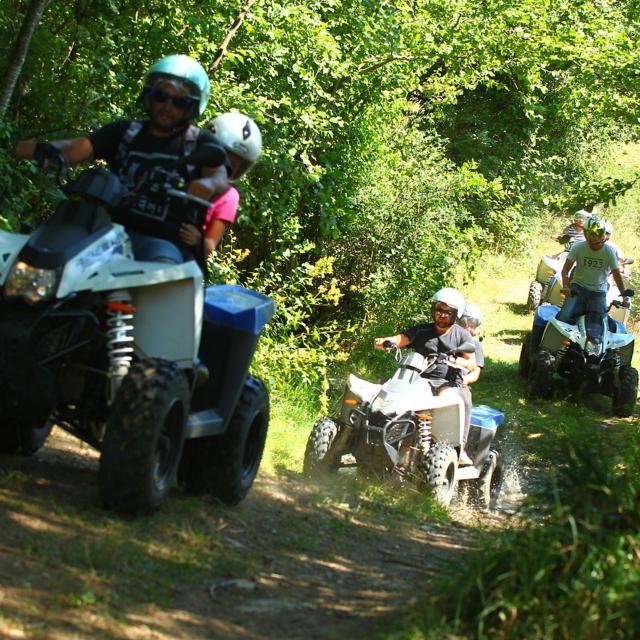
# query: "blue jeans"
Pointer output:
{"type": "Point", "coordinates": [584, 301]}
{"type": "Point", "coordinates": [150, 249]}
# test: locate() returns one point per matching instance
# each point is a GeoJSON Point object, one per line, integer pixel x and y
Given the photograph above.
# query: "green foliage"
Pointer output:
{"type": "Point", "coordinates": [575, 576]}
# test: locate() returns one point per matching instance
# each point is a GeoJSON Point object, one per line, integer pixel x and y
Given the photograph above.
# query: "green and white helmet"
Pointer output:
{"type": "Point", "coordinates": [451, 297]}
{"type": "Point", "coordinates": [186, 74]}
{"type": "Point", "coordinates": [238, 134]}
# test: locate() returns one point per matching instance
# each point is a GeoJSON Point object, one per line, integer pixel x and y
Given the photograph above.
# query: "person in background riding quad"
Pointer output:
{"type": "Point", "coordinates": [176, 91]}
{"type": "Point", "coordinates": [586, 289]}
{"type": "Point", "coordinates": [442, 336]}
{"type": "Point", "coordinates": [575, 231]}
{"type": "Point", "coordinates": [471, 320]}
{"type": "Point", "coordinates": [240, 137]}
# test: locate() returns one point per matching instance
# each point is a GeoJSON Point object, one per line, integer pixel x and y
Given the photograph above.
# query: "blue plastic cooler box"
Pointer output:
{"type": "Point", "coordinates": [484, 423]}
{"type": "Point", "coordinates": [486, 417]}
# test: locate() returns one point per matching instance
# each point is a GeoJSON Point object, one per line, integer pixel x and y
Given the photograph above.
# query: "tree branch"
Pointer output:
{"type": "Point", "coordinates": [227, 39]}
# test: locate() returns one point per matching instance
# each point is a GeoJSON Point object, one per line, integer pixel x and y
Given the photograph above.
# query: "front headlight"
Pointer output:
{"type": "Point", "coordinates": [31, 283]}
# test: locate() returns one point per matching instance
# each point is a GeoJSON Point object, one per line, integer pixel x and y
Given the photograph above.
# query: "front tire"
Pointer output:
{"type": "Point", "coordinates": [541, 375]}
{"type": "Point", "coordinates": [535, 295]}
{"type": "Point", "coordinates": [486, 489]}
{"type": "Point", "coordinates": [144, 437]}
{"type": "Point", "coordinates": [439, 468]}
{"type": "Point", "coordinates": [624, 398]}
{"type": "Point", "coordinates": [226, 465]}
{"type": "Point", "coordinates": [524, 363]}
{"type": "Point", "coordinates": [318, 455]}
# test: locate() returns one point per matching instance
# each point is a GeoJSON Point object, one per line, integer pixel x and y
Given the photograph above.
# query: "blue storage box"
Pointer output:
{"type": "Point", "coordinates": [544, 313]}
{"type": "Point", "coordinates": [486, 417]}
{"type": "Point", "coordinates": [234, 306]}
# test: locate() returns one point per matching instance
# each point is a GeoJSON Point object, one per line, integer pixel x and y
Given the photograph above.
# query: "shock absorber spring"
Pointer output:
{"type": "Point", "coordinates": [424, 432]}
{"type": "Point", "coordinates": [119, 322]}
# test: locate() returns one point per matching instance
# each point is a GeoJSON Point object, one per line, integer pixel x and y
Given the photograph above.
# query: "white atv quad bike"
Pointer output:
{"type": "Point", "coordinates": [552, 294]}
{"type": "Point", "coordinates": [548, 266]}
{"type": "Point", "coordinates": [556, 354]}
{"type": "Point", "coordinates": [401, 426]}
{"type": "Point", "coordinates": [135, 358]}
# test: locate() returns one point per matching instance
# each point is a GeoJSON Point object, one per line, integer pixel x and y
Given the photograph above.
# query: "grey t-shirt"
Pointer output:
{"type": "Point", "coordinates": [592, 268]}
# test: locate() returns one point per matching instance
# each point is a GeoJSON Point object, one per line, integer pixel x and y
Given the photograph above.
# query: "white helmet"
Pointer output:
{"type": "Point", "coordinates": [451, 297]}
{"type": "Point", "coordinates": [608, 229]}
{"type": "Point", "coordinates": [471, 316]}
{"type": "Point", "coordinates": [583, 214]}
{"type": "Point", "coordinates": [240, 135]}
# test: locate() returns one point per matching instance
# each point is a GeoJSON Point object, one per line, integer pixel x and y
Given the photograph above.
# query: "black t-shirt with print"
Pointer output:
{"type": "Point", "coordinates": [148, 213]}
{"type": "Point", "coordinates": [425, 340]}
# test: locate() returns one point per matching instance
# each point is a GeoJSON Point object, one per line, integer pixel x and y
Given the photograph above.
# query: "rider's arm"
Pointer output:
{"type": "Point", "coordinates": [617, 278]}
{"type": "Point", "coordinates": [213, 183]}
{"type": "Point", "coordinates": [399, 340]}
{"type": "Point", "coordinates": [214, 234]}
{"type": "Point", "coordinates": [566, 268]}
{"type": "Point", "coordinates": [472, 376]}
{"type": "Point", "coordinates": [75, 150]}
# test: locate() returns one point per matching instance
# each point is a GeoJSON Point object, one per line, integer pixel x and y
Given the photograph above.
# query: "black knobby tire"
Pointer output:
{"type": "Point", "coordinates": [486, 489]}
{"type": "Point", "coordinates": [21, 439]}
{"type": "Point", "coordinates": [439, 468]}
{"type": "Point", "coordinates": [318, 456]}
{"type": "Point", "coordinates": [225, 466]}
{"type": "Point", "coordinates": [524, 363]}
{"type": "Point", "coordinates": [535, 295]}
{"type": "Point", "coordinates": [541, 374]}
{"type": "Point", "coordinates": [144, 437]}
{"type": "Point", "coordinates": [624, 398]}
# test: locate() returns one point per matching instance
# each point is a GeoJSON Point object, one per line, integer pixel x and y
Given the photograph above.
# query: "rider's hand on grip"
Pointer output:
{"type": "Point", "coordinates": [47, 155]}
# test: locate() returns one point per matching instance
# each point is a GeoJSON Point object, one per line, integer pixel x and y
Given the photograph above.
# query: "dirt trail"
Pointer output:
{"type": "Point", "coordinates": [319, 571]}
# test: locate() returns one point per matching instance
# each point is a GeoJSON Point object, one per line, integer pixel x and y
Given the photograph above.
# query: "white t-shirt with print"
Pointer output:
{"type": "Point", "coordinates": [592, 267]}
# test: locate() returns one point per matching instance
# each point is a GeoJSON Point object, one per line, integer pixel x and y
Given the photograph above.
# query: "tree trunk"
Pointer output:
{"type": "Point", "coordinates": [234, 27]}
{"type": "Point", "coordinates": [19, 53]}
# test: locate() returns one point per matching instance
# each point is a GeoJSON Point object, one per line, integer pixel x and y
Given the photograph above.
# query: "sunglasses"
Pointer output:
{"type": "Point", "coordinates": [444, 312]}
{"type": "Point", "coordinates": [179, 102]}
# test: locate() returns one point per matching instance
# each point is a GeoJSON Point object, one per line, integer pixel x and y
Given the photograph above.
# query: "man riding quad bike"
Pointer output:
{"type": "Point", "coordinates": [408, 425]}
{"type": "Point", "coordinates": [132, 356]}
{"type": "Point", "coordinates": [579, 348]}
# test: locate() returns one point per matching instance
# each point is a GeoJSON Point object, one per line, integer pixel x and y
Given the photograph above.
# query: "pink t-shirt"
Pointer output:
{"type": "Point", "coordinates": [224, 208]}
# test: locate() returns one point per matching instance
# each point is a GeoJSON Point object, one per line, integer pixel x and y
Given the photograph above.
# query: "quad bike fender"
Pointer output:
{"type": "Point", "coordinates": [10, 246]}
{"type": "Point", "coordinates": [547, 266]}
{"type": "Point", "coordinates": [447, 419]}
{"type": "Point", "coordinates": [400, 396]}
{"type": "Point", "coordinates": [168, 301]}
{"type": "Point", "coordinates": [555, 332]}
{"type": "Point", "coordinates": [552, 291]}
{"type": "Point", "coordinates": [624, 344]}
{"type": "Point", "coordinates": [360, 389]}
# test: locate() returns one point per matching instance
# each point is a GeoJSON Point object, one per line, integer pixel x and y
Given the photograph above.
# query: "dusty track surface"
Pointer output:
{"type": "Point", "coordinates": [353, 584]}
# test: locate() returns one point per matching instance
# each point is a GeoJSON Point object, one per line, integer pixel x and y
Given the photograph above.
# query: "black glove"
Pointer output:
{"type": "Point", "coordinates": [46, 154]}
{"type": "Point", "coordinates": [629, 293]}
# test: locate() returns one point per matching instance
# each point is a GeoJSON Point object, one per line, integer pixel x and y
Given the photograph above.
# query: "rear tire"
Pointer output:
{"type": "Point", "coordinates": [144, 437]}
{"type": "Point", "coordinates": [439, 468]}
{"type": "Point", "coordinates": [226, 465]}
{"type": "Point", "coordinates": [486, 489]}
{"type": "Point", "coordinates": [318, 456]}
{"type": "Point", "coordinates": [541, 375]}
{"type": "Point", "coordinates": [524, 363]}
{"type": "Point", "coordinates": [624, 398]}
{"type": "Point", "coordinates": [535, 295]}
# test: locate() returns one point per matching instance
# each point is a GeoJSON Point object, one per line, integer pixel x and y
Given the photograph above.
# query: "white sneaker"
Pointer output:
{"type": "Point", "coordinates": [464, 460]}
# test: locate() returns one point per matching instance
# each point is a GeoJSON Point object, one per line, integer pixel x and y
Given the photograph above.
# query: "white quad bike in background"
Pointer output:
{"type": "Point", "coordinates": [548, 266]}
{"type": "Point", "coordinates": [557, 356]}
{"type": "Point", "coordinates": [401, 426]}
{"type": "Point", "coordinates": [137, 359]}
